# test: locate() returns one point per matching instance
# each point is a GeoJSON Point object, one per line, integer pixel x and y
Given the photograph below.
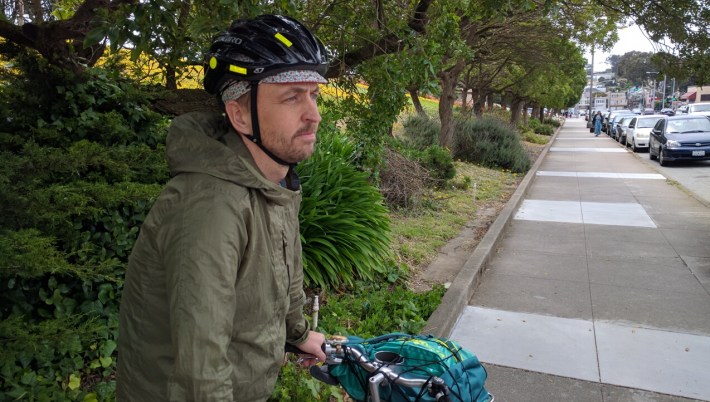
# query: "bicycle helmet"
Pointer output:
{"type": "Point", "coordinates": [266, 47]}
{"type": "Point", "coordinates": [254, 49]}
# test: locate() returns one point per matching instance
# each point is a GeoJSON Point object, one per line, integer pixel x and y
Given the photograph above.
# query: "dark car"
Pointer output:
{"type": "Point", "coordinates": [614, 120]}
{"type": "Point", "coordinates": [667, 111]}
{"type": "Point", "coordinates": [683, 137]}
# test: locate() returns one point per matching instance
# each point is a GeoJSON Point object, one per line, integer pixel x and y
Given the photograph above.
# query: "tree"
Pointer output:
{"type": "Point", "coordinates": [634, 66]}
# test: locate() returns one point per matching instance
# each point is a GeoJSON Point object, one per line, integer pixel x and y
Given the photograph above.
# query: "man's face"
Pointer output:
{"type": "Point", "coordinates": [288, 119]}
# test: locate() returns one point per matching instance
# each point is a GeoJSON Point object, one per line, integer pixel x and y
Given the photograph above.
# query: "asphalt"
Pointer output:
{"type": "Point", "coordinates": [593, 284]}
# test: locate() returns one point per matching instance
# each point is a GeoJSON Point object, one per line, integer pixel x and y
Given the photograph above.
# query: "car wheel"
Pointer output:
{"type": "Point", "coordinates": [661, 159]}
{"type": "Point", "coordinates": [633, 146]}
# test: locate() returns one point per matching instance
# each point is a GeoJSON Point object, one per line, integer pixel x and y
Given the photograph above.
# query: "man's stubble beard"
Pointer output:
{"type": "Point", "coordinates": [284, 149]}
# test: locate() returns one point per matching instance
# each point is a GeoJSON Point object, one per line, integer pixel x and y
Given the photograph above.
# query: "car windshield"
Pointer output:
{"type": "Point", "coordinates": [647, 123]}
{"type": "Point", "coordinates": [700, 108]}
{"type": "Point", "coordinates": [688, 126]}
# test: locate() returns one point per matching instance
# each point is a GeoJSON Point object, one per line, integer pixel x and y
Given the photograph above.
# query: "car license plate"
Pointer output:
{"type": "Point", "coordinates": [698, 153]}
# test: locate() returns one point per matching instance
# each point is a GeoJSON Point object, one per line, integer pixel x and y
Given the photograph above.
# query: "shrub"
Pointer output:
{"type": "Point", "coordinates": [80, 165]}
{"type": "Point", "coordinates": [344, 222]}
{"type": "Point", "coordinates": [421, 132]}
{"type": "Point", "coordinates": [403, 181]}
{"type": "Point", "coordinates": [529, 136]}
{"type": "Point", "coordinates": [534, 123]}
{"type": "Point", "coordinates": [552, 122]}
{"type": "Point", "coordinates": [544, 129]}
{"type": "Point", "coordinates": [439, 162]}
{"type": "Point", "coordinates": [489, 142]}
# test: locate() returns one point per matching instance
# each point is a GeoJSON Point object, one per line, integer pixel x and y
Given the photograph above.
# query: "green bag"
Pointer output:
{"type": "Point", "coordinates": [414, 356]}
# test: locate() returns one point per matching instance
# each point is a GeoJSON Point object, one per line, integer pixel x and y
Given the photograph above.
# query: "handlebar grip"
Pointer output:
{"type": "Point", "coordinates": [288, 348]}
{"type": "Point", "coordinates": [292, 349]}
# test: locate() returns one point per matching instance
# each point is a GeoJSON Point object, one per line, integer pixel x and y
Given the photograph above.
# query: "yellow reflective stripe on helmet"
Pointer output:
{"type": "Point", "coordinates": [283, 39]}
{"type": "Point", "coordinates": [213, 63]}
{"type": "Point", "coordinates": [237, 69]}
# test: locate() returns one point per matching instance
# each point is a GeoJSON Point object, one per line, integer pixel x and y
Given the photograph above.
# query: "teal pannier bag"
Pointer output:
{"type": "Point", "coordinates": [414, 356]}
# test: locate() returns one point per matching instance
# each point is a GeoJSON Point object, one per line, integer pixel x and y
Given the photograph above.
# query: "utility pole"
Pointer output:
{"type": "Point", "coordinates": [653, 91]}
{"type": "Point", "coordinates": [591, 82]}
{"type": "Point", "coordinates": [663, 99]}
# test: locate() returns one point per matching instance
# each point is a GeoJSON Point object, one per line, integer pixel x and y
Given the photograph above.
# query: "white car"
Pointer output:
{"type": "Point", "coordinates": [697, 108]}
{"type": "Point", "coordinates": [639, 130]}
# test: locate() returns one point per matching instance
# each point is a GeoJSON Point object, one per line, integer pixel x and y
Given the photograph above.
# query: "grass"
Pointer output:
{"type": "Point", "coordinates": [418, 236]}
{"type": "Point", "coordinates": [534, 138]}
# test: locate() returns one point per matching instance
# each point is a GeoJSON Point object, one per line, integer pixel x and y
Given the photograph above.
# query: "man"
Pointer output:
{"type": "Point", "coordinates": [214, 285]}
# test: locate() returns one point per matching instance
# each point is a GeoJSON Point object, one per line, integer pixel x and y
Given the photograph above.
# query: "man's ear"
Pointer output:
{"type": "Point", "coordinates": [239, 115]}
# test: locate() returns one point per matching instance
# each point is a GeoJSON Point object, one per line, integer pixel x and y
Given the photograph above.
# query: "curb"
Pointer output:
{"type": "Point", "coordinates": [444, 318]}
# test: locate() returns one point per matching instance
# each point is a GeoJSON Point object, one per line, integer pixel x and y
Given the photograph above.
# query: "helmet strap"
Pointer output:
{"type": "Point", "coordinates": [256, 134]}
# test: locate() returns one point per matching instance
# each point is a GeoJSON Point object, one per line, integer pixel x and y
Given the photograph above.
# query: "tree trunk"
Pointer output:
{"type": "Point", "coordinates": [515, 111]}
{"type": "Point", "coordinates": [464, 100]}
{"type": "Point", "coordinates": [170, 78]}
{"type": "Point", "coordinates": [414, 93]}
{"type": "Point", "coordinates": [449, 79]}
{"type": "Point", "coordinates": [478, 104]}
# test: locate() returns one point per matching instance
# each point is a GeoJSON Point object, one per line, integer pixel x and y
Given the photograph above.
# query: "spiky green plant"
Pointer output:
{"type": "Point", "coordinates": [344, 223]}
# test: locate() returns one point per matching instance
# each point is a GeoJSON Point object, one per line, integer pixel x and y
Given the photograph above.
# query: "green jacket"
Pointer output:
{"type": "Point", "coordinates": [214, 285]}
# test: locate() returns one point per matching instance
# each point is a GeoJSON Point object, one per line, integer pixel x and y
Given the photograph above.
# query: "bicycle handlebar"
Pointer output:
{"type": "Point", "coordinates": [383, 372]}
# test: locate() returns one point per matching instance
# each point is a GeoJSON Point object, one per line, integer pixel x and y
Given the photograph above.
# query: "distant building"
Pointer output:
{"type": "Point", "coordinates": [617, 100]}
{"type": "Point", "coordinates": [600, 99]}
{"type": "Point", "coordinates": [696, 94]}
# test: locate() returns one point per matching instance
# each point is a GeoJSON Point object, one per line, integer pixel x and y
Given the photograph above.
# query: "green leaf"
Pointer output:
{"type": "Point", "coordinates": [105, 361]}
{"type": "Point", "coordinates": [74, 381]}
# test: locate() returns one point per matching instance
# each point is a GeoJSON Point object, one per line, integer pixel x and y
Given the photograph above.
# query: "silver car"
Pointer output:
{"type": "Point", "coordinates": [639, 130]}
{"type": "Point", "coordinates": [699, 108]}
{"type": "Point", "coordinates": [621, 127]}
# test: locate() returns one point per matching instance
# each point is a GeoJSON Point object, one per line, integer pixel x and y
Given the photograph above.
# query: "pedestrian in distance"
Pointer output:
{"type": "Point", "coordinates": [214, 284]}
{"type": "Point", "coordinates": [597, 121]}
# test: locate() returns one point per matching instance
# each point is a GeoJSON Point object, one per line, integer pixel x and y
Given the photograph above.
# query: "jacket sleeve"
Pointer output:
{"type": "Point", "coordinates": [202, 249]}
{"type": "Point", "coordinates": [297, 326]}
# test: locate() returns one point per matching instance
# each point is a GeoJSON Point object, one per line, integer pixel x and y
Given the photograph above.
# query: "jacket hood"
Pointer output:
{"type": "Point", "coordinates": [203, 142]}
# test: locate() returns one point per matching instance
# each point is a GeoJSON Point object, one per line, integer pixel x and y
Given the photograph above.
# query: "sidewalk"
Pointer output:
{"type": "Point", "coordinates": [594, 283]}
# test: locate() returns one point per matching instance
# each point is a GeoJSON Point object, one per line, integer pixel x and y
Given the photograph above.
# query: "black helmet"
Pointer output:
{"type": "Point", "coordinates": [254, 49]}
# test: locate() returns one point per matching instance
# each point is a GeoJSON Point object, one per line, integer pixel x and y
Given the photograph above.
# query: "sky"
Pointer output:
{"type": "Point", "coordinates": [630, 39]}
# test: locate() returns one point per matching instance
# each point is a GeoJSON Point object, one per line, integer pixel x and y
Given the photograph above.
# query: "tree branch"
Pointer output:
{"type": "Point", "coordinates": [389, 43]}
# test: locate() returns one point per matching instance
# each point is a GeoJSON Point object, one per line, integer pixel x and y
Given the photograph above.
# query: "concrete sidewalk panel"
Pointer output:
{"type": "Point", "coordinates": [518, 385]}
{"type": "Point", "coordinates": [547, 237]}
{"type": "Point", "coordinates": [659, 361]}
{"type": "Point", "coordinates": [616, 241]}
{"type": "Point", "coordinates": [693, 243]}
{"type": "Point", "coordinates": [552, 345]}
{"type": "Point", "coordinates": [662, 274]}
{"type": "Point", "coordinates": [554, 188]}
{"type": "Point", "coordinates": [683, 221]}
{"type": "Point", "coordinates": [568, 299]}
{"type": "Point", "coordinates": [700, 267]}
{"type": "Point", "coordinates": [650, 308]}
{"type": "Point", "coordinates": [616, 214]}
{"type": "Point", "coordinates": [537, 264]}
{"type": "Point", "coordinates": [660, 190]}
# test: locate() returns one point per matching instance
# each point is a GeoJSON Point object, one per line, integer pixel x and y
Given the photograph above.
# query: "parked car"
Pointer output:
{"type": "Point", "coordinates": [611, 129]}
{"type": "Point", "coordinates": [639, 131]}
{"type": "Point", "coordinates": [698, 108]}
{"type": "Point", "coordinates": [667, 111]}
{"type": "Point", "coordinates": [685, 137]}
{"type": "Point", "coordinates": [621, 127]}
